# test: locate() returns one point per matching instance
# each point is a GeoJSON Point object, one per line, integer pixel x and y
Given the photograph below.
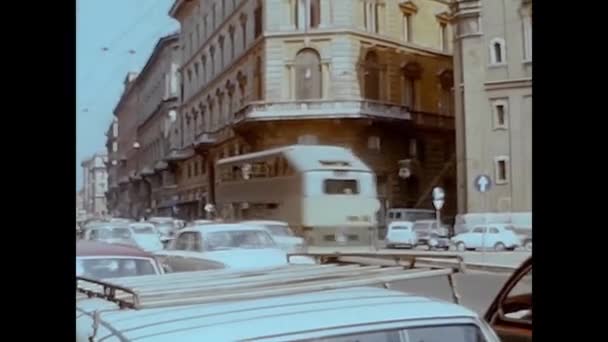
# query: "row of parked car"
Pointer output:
{"type": "Point", "coordinates": [493, 236]}
{"type": "Point", "coordinates": [230, 259]}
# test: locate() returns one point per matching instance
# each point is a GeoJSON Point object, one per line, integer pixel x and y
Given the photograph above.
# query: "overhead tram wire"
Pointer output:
{"type": "Point", "coordinates": [121, 36]}
{"type": "Point", "coordinates": [92, 100]}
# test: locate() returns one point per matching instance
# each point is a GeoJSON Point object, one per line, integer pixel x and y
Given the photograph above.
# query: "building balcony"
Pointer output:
{"type": "Point", "coordinates": [321, 109]}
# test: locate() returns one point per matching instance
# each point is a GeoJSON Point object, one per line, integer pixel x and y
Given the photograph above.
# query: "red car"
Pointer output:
{"type": "Point", "coordinates": [103, 260]}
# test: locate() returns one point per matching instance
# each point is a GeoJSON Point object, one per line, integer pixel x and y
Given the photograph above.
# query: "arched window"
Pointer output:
{"type": "Point", "coordinates": [497, 51]}
{"type": "Point", "coordinates": [204, 71]}
{"type": "Point", "coordinates": [308, 75]}
{"type": "Point", "coordinates": [372, 76]}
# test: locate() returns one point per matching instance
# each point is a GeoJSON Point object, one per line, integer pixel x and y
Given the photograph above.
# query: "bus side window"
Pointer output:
{"type": "Point", "coordinates": [398, 215]}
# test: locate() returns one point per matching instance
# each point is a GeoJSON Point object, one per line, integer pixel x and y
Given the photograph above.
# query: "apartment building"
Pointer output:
{"type": "Point", "coordinates": [112, 165]}
{"type": "Point", "coordinates": [374, 76]}
{"type": "Point", "coordinates": [94, 185]}
{"type": "Point", "coordinates": [493, 66]}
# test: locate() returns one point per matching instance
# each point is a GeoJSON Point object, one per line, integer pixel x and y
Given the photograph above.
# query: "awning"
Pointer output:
{"type": "Point", "coordinates": [180, 155]}
{"type": "Point", "coordinates": [160, 165]}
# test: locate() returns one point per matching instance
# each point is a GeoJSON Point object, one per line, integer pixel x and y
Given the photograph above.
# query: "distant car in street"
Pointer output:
{"type": "Point", "coordinates": [215, 246]}
{"type": "Point", "coordinates": [282, 235]}
{"type": "Point", "coordinates": [102, 260]}
{"type": "Point", "coordinates": [498, 237]}
{"type": "Point", "coordinates": [430, 235]}
{"type": "Point", "coordinates": [166, 226]}
{"type": "Point", "coordinates": [400, 234]}
{"type": "Point", "coordinates": [142, 235]}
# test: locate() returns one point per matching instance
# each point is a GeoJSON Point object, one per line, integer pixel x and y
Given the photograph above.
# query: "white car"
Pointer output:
{"type": "Point", "coordinates": [215, 246]}
{"type": "Point", "coordinates": [491, 236]}
{"type": "Point", "coordinates": [400, 233]}
{"type": "Point", "coordinates": [282, 235]}
{"type": "Point", "coordinates": [141, 235]}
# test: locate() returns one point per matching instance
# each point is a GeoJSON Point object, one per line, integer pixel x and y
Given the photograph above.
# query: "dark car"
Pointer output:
{"type": "Point", "coordinates": [102, 260]}
{"type": "Point", "coordinates": [510, 315]}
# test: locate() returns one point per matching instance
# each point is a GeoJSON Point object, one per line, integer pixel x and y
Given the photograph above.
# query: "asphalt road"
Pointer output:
{"type": "Point", "coordinates": [477, 289]}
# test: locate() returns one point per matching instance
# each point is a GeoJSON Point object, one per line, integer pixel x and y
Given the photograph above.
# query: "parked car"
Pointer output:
{"type": "Point", "coordinates": [429, 234]}
{"type": "Point", "coordinates": [103, 260]}
{"type": "Point", "coordinates": [492, 236]}
{"type": "Point", "coordinates": [145, 236]}
{"type": "Point", "coordinates": [287, 304]}
{"type": "Point", "coordinates": [142, 235]}
{"type": "Point", "coordinates": [165, 226]}
{"type": "Point", "coordinates": [511, 311]}
{"type": "Point", "coordinates": [282, 235]}
{"type": "Point", "coordinates": [214, 246]}
{"type": "Point", "coordinates": [400, 234]}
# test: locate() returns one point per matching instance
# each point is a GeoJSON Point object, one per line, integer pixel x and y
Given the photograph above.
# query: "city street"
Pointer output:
{"type": "Point", "coordinates": [477, 289]}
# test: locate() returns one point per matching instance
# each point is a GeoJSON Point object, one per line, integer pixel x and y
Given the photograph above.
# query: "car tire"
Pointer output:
{"type": "Point", "coordinates": [528, 245]}
{"type": "Point", "coordinates": [460, 246]}
{"type": "Point", "coordinates": [499, 247]}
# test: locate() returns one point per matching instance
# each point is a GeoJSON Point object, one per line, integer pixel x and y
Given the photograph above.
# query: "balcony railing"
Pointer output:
{"type": "Point", "coordinates": [322, 109]}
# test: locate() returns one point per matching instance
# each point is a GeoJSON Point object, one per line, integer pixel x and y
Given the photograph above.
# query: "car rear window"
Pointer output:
{"type": "Point", "coordinates": [445, 333]}
{"type": "Point", "coordinates": [341, 186]}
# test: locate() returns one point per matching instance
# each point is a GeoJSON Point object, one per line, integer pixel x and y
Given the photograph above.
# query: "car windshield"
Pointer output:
{"type": "Point", "coordinates": [143, 230]}
{"type": "Point", "coordinates": [114, 267]}
{"type": "Point", "coordinates": [248, 239]}
{"type": "Point", "coordinates": [121, 233]}
{"type": "Point", "coordinates": [446, 333]}
{"type": "Point", "coordinates": [279, 230]}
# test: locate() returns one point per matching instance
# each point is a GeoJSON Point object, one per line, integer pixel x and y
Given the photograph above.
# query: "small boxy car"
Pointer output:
{"type": "Point", "coordinates": [295, 303]}
{"type": "Point", "coordinates": [400, 234]}
{"type": "Point", "coordinates": [282, 235]}
{"type": "Point", "coordinates": [495, 236]}
{"type": "Point", "coordinates": [511, 312]}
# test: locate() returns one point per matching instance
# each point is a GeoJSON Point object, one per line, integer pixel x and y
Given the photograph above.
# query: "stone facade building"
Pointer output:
{"type": "Point", "coordinates": [493, 68]}
{"type": "Point", "coordinates": [374, 76]}
{"type": "Point", "coordinates": [94, 184]}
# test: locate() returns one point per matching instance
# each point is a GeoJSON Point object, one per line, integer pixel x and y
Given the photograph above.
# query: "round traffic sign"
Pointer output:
{"type": "Point", "coordinates": [483, 183]}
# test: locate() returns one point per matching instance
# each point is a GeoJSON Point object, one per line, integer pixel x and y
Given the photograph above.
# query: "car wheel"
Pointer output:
{"type": "Point", "coordinates": [499, 247]}
{"type": "Point", "coordinates": [461, 247]}
{"type": "Point", "coordinates": [528, 245]}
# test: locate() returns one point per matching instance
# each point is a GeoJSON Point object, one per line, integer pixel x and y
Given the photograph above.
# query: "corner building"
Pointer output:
{"type": "Point", "coordinates": [373, 76]}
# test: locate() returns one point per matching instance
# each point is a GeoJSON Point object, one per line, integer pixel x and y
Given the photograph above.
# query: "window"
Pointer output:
{"type": "Point", "coordinates": [244, 30]}
{"type": "Point", "coordinates": [493, 230]}
{"type": "Point", "coordinates": [223, 9]}
{"type": "Point", "coordinates": [114, 146]}
{"type": "Point", "coordinates": [308, 81]}
{"type": "Point", "coordinates": [257, 18]}
{"type": "Point", "coordinates": [409, 92]}
{"type": "Point", "coordinates": [221, 44]}
{"type": "Point", "coordinates": [407, 28]}
{"type": "Point", "coordinates": [373, 143]}
{"type": "Point", "coordinates": [315, 13]}
{"type": "Point", "coordinates": [204, 69]}
{"type": "Point", "coordinates": [340, 187]}
{"type": "Point", "coordinates": [231, 32]}
{"type": "Point", "coordinates": [198, 35]}
{"type": "Point", "coordinates": [527, 28]}
{"type": "Point", "coordinates": [497, 51]}
{"type": "Point", "coordinates": [372, 76]}
{"type": "Point", "coordinates": [196, 169]}
{"type": "Point", "coordinates": [500, 113]}
{"type": "Point", "coordinates": [189, 171]}
{"type": "Point", "coordinates": [196, 70]}
{"type": "Point", "coordinates": [479, 230]}
{"type": "Point", "coordinates": [370, 16]}
{"type": "Point", "coordinates": [213, 16]}
{"type": "Point", "coordinates": [189, 76]}
{"type": "Point", "coordinates": [501, 165]}
{"type": "Point", "coordinates": [191, 47]}
{"type": "Point", "coordinates": [443, 37]}
{"type": "Point", "coordinates": [308, 139]}
{"type": "Point", "coordinates": [258, 78]}
{"type": "Point", "coordinates": [212, 55]}
{"type": "Point", "coordinates": [205, 27]}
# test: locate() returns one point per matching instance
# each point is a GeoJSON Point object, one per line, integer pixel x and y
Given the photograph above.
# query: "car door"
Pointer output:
{"type": "Point", "coordinates": [476, 237]}
{"type": "Point", "coordinates": [493, 236]}
{"type": "Point", "coordinates": [511, 312]}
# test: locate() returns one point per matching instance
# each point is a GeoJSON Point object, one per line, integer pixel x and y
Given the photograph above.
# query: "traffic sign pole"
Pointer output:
{"type": "Point", "coordinates": [483, 184]}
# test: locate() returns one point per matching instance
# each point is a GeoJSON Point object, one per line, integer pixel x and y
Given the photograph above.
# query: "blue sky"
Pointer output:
{"type": "Point", "coordinates": [105, 33]}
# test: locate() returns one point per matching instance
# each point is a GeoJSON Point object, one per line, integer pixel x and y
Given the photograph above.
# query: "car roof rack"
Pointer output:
{"type": "Point", "coordinates": [334, 271]}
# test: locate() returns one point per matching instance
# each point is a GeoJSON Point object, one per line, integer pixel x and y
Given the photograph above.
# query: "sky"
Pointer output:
{"type": "Point", "coordinates": [113, 37]}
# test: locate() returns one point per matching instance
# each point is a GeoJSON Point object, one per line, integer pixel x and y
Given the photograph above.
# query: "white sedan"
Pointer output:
{"type": "Point", "coordinates": [282, 235]}
{"type": "Point", "coordinates": [400, 233]}
{"type": "Point", "coordinates": [214, 246]}
{"type": "Point", "coordinates": [491, 236]}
